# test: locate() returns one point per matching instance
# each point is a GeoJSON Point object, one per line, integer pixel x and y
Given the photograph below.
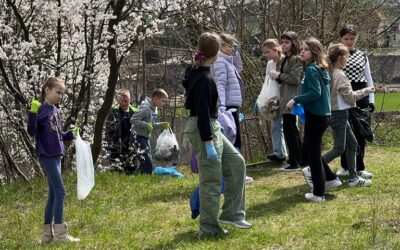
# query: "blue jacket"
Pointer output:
{"type": "Point", "coordinates": [314, 93]}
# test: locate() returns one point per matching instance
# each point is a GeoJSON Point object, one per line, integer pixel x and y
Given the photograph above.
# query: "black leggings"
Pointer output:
{"type": "Point", "coordinates": [314, 129]}
{"type": "Point", "coordinates": [292, 138]}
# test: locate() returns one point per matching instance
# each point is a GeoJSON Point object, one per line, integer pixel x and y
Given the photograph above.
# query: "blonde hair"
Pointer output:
{"type": "Point", "coordinates": [317, 52]}
{"type": "Point", "coordinates": [207, 47]}
{"type": "Point", "coordinates": [272, 44]}
{"type": "Point", "coordinates": [227, 39]}
{"type": "Point", "coordinates": [335, 51]}
{"type": "Point", "coordinates": [50, 83]}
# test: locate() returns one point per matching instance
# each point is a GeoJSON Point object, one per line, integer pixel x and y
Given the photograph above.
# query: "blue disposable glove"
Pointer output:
{"type": "Point", "coordinates": [255, 106]}
{"type": "Point", "coordinates": [299, 111]}
{"type": "Point", "coordinates": [241, 117]}
{"type": "Point", "coordinates": [222, 109]}
{"type": "Point", "coordinates": [211, 152]}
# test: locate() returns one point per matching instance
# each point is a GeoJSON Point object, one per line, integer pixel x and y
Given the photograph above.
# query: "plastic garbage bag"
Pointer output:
{"type": "Point", "coordinates": [168, 171]}
{"type": "Point", "coordinates": [84, 168]}
{"type": "Point", "coordinates": [268, 100]}
{"type": "Point", "coordinates": [299, 111]}
{"type": "Point", "coordinates": [359, 121]}
{"type": "Point", "coordinates": [193, 162]}
{"type": "Point", "coordinates": [228, 124]}
{"type": "Point", "coordinates": [167, 147]}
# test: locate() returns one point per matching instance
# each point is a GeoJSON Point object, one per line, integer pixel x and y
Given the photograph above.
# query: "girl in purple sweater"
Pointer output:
{"type": "Point", "coordinates": [44, 123]}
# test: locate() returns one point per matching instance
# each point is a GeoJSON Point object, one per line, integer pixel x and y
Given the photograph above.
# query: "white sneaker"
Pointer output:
{"type": "Point", "coordinates": [314, 198]}
{"type": "Point", "coordinates": [332, 184]}
{"type": "Point", "coordinates": [307, 175]}
{"type": "Point", "coordinates": [248, 179]}
{"type": "Point", "coordinates": [364, 174]}
{"type": "Point", "coordinates": [360, 182]}
{"type": "Point", "coordinates": [342, 172]}
{"type": "Point", "coordinates": [239, 224]}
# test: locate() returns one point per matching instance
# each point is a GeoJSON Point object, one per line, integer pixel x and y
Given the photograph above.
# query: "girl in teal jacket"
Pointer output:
{"type": "Point", "coordinates": [315, 98]}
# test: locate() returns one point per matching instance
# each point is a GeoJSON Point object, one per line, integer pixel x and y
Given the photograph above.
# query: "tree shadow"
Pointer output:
{"type": "Point", "coordinates": [287, 198]}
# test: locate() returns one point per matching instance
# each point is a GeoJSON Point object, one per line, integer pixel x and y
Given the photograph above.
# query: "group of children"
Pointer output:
{"type": "Point", "coordinates": [323, 90]}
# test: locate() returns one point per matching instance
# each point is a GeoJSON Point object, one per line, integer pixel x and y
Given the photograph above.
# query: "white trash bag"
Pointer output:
{"type": "Point", "coordinates": [84, 168]}
{"type": "Point", "coordinates": [167, 147]}
{"type": "Point", "coordinates": [269, 98]}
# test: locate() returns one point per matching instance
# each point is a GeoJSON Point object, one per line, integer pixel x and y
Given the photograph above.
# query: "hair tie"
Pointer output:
{"type": "Point", "coordinates": [198, 55]}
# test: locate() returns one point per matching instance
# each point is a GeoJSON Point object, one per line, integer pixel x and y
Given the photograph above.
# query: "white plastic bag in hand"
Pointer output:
{"type": "Point", "coordinates": [167, 147]}
{"type": "Point", "coordinates": [84, 168]}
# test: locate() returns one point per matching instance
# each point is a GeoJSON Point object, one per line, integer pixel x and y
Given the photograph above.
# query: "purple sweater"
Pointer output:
{"type": "Point", "coordinates": [46, 126]}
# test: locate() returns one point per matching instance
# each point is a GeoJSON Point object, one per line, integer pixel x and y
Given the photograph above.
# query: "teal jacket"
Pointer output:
{"type": "Point", "coordinates": [314, 92]}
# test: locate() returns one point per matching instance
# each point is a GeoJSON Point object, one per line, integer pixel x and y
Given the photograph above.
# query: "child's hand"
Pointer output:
{"type": "Point", "coordinates": [290, 104]}
{"type": "Point", "coordinates": [370, 89]}
{"type": "Point", "coordinates": [274, 74]}
{"type": "Point", "coordinates": [149, 127]}
{"type": "Point", "coordinates": [165, 125]}
{"type": "Point", "coordinates": [75, 132]}
{"type": "Point", "coordinates": [35, 105]}
{"type": "Point", "coordinates": [242, 117]}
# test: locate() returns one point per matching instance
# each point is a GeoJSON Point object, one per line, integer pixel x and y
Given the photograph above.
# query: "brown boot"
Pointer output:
{"type": "Point", "coordinates": [47, 234]}
{"type": "Point", "coordinates": [61, 235]}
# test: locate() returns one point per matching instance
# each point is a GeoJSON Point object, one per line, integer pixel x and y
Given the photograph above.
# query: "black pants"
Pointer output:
{"type": "Point", "coordinates": [363, 103]}
{"type": "Point", "coordinates": [238, 140]}
{"type": "Point", "coordinates": [314, 129]}
{"type": "Point", "coordinates": [292, 138]}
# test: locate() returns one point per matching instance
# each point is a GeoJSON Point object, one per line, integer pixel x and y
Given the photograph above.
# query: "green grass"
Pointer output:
{"type": "Point", "coordinates": [391, 102]}
{"type": "Point", "coordinates": [152, 212]}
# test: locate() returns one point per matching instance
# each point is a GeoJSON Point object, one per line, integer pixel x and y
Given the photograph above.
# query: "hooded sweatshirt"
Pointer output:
{"type": "Point", "coordinates": [46, 126]}
{"type": "Point", "coordinates": [314, 93]}
{"type": "Point", "coordinates": [201, 98]}
{"type": "Point", "coordinates": [146, 113]}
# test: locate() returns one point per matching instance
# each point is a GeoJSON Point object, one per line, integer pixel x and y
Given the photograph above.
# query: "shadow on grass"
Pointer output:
{"type": "Point", "coordinates": [287, 198]}
{"type": "Point", "coordinates": [179, 240]}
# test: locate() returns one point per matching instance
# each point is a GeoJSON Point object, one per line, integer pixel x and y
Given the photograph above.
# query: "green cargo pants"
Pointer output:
{"type": "Point", "coordinates": [230, 165]}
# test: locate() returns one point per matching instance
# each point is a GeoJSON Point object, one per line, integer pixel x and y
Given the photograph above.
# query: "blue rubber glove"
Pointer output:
{"type": "Point", "coordinates": [211, 152]}
{"type": "Point", "coordinates": [222, 109]}
{"type": "Point", "coordinates": [255, 106]}
{"type": "Point", "coordinates": [241, 117]}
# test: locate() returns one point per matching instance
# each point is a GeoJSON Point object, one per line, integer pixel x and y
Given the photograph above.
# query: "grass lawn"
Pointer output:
{"type": "Point", "coordinates": [152, 212]}
{"type": "Point", "coordinates": [391, 101]}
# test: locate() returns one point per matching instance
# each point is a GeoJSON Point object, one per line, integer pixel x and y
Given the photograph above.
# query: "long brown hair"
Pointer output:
{"type": "Point", "coordinates": [50, 83]}
{"type": "Point", "coordinates": [317, 52]}
{"type": "Point", "coordinates": [208, 46]}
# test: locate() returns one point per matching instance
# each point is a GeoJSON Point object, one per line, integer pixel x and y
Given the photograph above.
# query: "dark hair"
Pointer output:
{"type": "Point", "coordinates": [159, 92]}
{"type": "Point", "coordinates": [50, 83]}
{"type": "Point", "coordinates": [317, 52]}
{"type": "Point", "coordinates": [348, 29]}
{"type": "Point", "coordinates": [294, 38]}
{"type": "Point", "coordinates": [207, 47]}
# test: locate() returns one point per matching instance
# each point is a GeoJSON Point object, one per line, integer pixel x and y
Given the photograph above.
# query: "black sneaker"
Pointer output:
{"type": "Point", "coordinates": [290, 168]}
{"type": "Point", "coordinates": [273, 157]}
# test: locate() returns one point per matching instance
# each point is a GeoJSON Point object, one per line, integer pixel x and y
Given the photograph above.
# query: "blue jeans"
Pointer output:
{"type": "Point", "coordinates": [146, 166]}
{"type": "Point", "coordinates": [55, 202]}
{"type": "Point", "coordinates": [278, 139]}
